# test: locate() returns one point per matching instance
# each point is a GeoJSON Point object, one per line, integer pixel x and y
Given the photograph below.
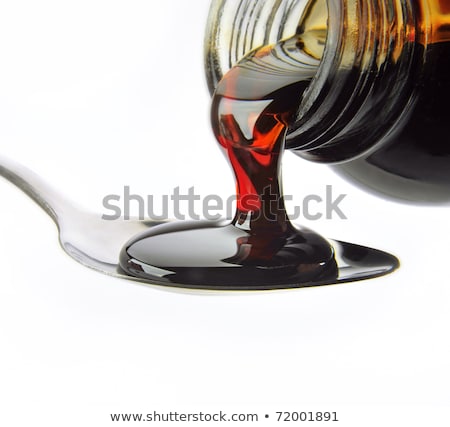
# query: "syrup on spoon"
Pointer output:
{"type": "Point", "coordinates": [96, 243]}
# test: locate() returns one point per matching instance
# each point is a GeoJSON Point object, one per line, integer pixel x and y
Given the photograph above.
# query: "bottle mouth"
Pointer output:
{"type": "Point", "coordinates": [363, 86]}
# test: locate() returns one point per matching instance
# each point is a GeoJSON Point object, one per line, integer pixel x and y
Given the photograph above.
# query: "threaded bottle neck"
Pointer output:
{"type": "Point", "coordinates": [364, 84]}
{"type": "Point", "coordinates": [366, 80]}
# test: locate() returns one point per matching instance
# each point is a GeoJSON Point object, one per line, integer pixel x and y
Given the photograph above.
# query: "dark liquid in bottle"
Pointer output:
{"type": "Point", "coordinates": [252, 108]}
{"type": "Point", "coordinates": [414, 162]}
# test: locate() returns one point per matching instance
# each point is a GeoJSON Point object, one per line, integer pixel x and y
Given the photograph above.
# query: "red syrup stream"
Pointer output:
{"type": "Point", "coordinates": [260, 249]}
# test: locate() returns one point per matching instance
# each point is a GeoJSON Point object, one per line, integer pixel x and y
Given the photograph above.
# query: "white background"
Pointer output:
{"type": "Point", "coordinates": [95, 95]}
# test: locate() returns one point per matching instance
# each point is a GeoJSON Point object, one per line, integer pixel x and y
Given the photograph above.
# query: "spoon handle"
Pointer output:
{"type": "Point", "coordinates": [36, 188]}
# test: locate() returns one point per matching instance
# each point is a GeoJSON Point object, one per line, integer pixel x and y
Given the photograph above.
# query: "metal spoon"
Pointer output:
{"type": "Point", "coordinates": [96, 243]}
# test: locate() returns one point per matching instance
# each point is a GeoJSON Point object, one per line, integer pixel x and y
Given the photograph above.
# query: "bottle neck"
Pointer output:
{"type": "Point", "coordinates": [373, 57]}
{"type": "Point", "coordinates": [365, 81]}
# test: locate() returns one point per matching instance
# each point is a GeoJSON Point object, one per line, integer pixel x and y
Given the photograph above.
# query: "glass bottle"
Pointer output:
{"type": "Point", "coordinates": [378, 107]}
